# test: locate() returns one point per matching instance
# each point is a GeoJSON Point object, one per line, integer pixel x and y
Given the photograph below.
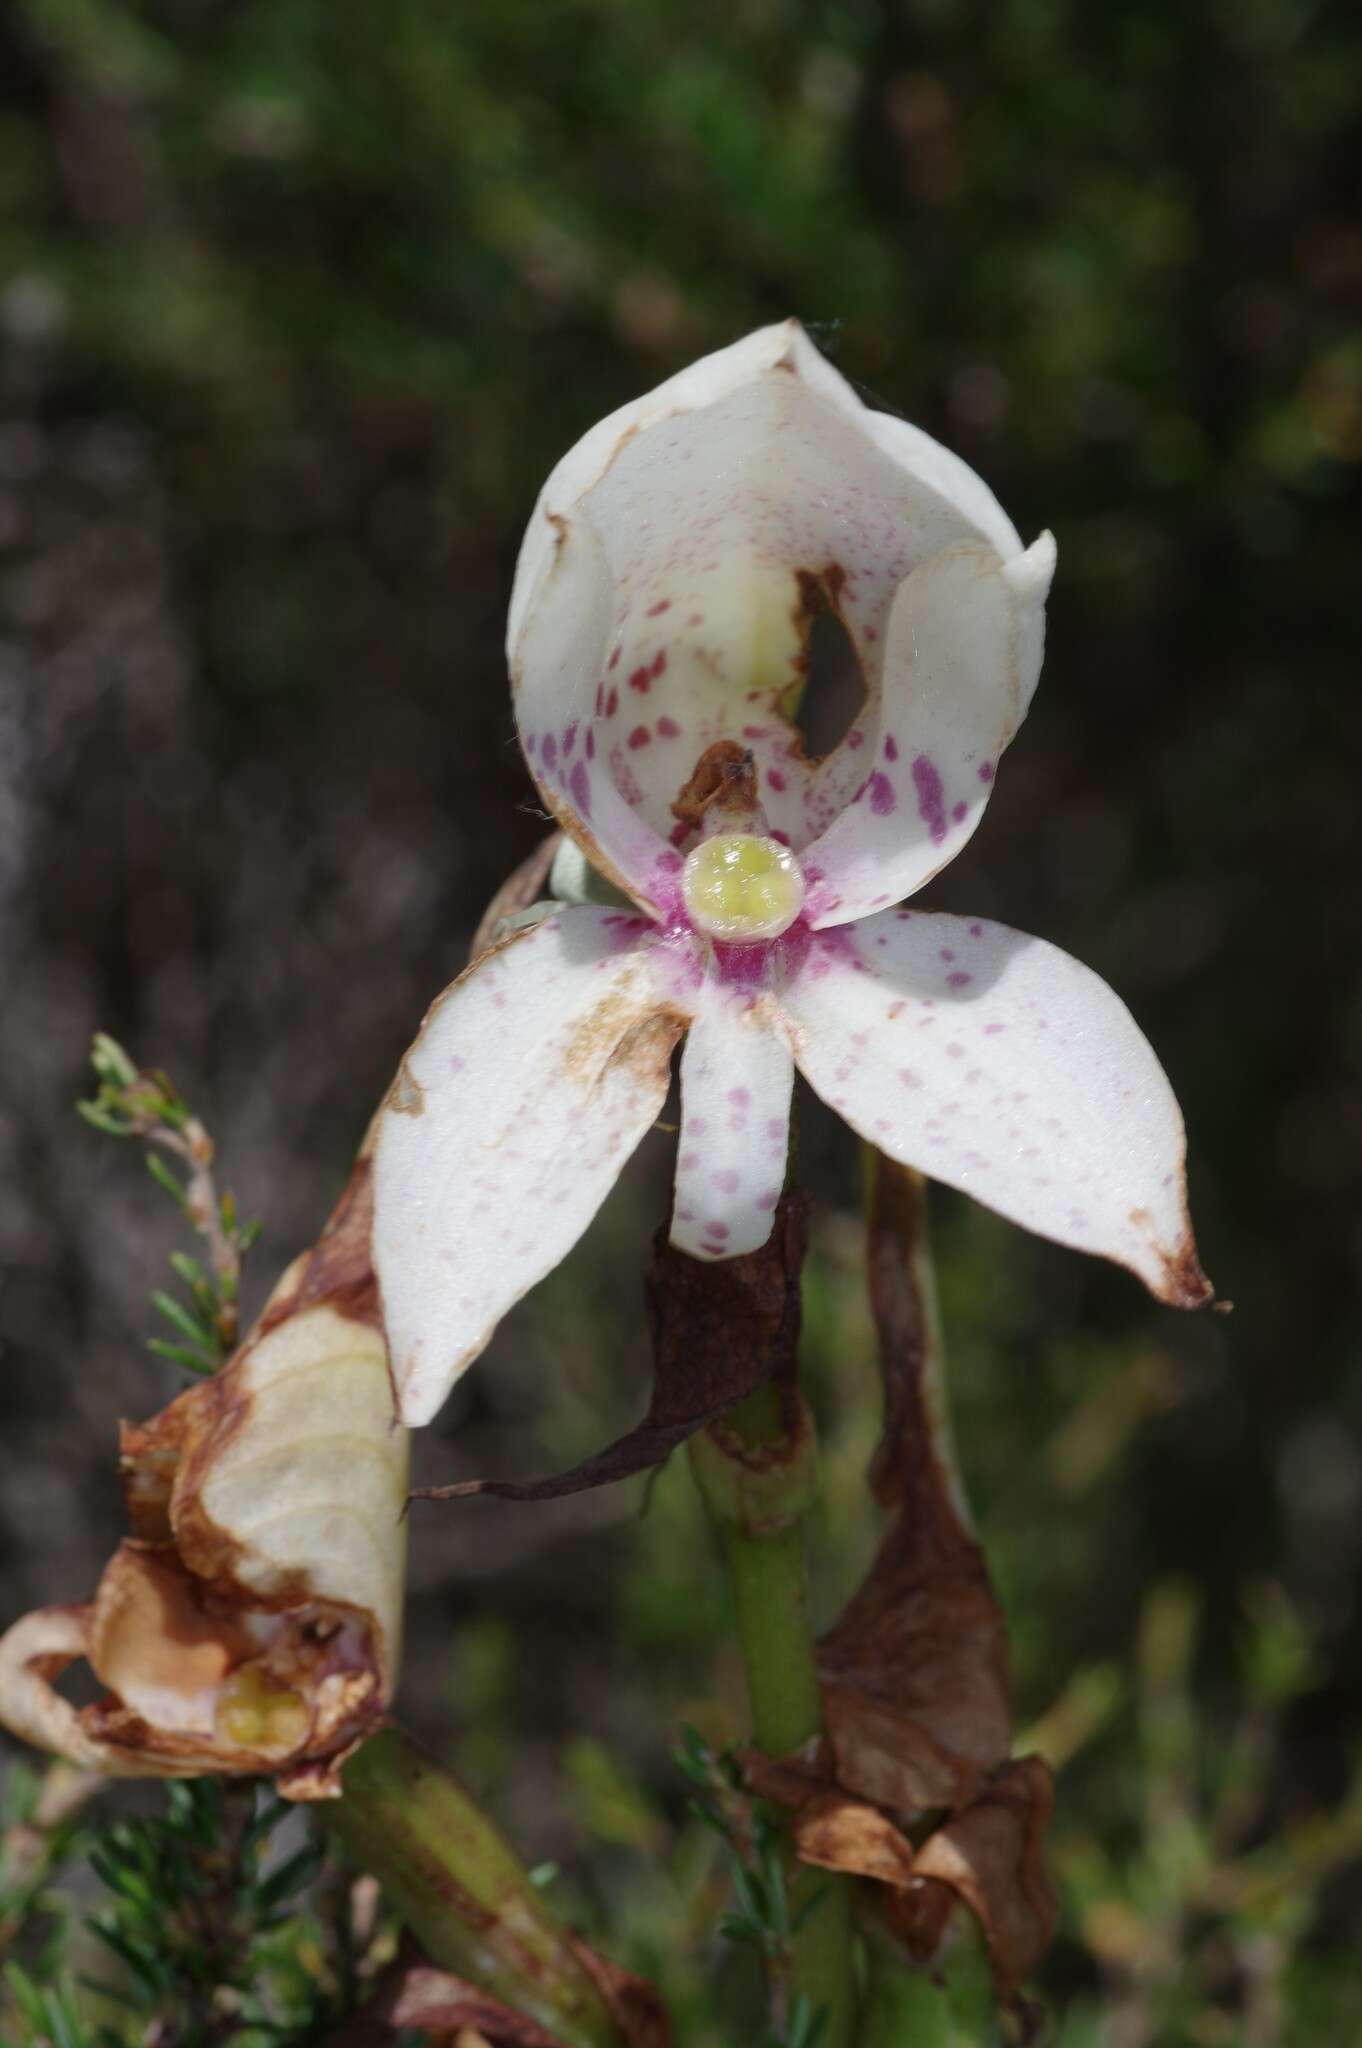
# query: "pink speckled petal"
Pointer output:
{"type": "Point", "coordinates": [994, 1062]}
{"type": "Point", "coordinates": [555, 665]}
{"type": "Point", "coordinates": [736, 1079]}
{"type": "Point", "coordinates": [963, 653]}
{"type": "Point", "coordinates": [725, 504]}
{"type": "Point", "coordinates": [534, 1077]}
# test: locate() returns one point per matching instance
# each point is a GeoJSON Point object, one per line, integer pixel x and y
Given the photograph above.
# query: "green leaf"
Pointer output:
{"type": "Point", "coordinates": [148, 1968]}
{"type": "Point", "coordinates": [192, 1361]}
{"type": "Point", "coordinates": [164, 1178]}
{"type": "Point", "coordinates": [291, 1876]}
{"type": "Point", "coordinates": [111, 1062]}
{"type": "Point", "coordinates": [189, 1270]}
{"type": "Point", "coordinates": [106, 1120]}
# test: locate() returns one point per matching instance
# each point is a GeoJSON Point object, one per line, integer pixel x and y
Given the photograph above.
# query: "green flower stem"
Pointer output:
{"type": "Point", "coordinates": [905, 2006]}
{"type": "Point", "coordinates": [460, 1888]}
{"type": "Point", "coordinates": [758, 1473]}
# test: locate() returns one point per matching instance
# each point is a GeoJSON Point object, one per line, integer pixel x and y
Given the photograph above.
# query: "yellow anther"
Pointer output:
{"type": "Point", "coordinates": [255, 1713]}
{"type": "Point", "coordinates": [739, 887]}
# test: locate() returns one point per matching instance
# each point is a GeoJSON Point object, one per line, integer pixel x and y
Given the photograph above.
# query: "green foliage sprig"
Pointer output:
{"type": "Point", "coordinates": [133, 1102]}
{"type": "Point", "coordinates": [757, 1848]}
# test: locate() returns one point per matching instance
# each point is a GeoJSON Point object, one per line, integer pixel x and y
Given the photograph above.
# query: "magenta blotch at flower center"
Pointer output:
{"type": "Point", "coordinates": [742, 887]}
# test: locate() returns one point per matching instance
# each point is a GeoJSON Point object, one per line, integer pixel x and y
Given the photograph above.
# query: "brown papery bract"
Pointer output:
{"type": "Point", "coordinates": [415, 1998]}
{"type": "Point", "coordinates": [913, 1786]}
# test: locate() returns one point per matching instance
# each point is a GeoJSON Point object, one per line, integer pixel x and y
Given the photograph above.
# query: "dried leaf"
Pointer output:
{"type": "Point", "coordinates": [719, 1331]}
{"type": "Point", "coordinates": [916, 1707]}
{"type": "Point", "coordinates": [991, 1857]}
{"type": "Point", "coordinates": [915, 1669]}
{"type": "Point", "coordinates": [418, 1998]}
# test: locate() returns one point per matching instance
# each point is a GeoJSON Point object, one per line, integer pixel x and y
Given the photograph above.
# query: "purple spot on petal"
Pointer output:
{"type": "Point", "coordinates": [891, 747]}
{"type": "Point", "coordinates": [882, 797]}
{"type": "Point", "coordinates": [739, 1097]}
{"type": "Point", "coordinates": [986, 771]}
{"type": "Point", "coordinates": [590, 744]}
{"type": "Point", "coordinates": [775, 778]}
{"type": "Point", "coordinates": [959, 812]}
{"type": "Point", "coordinates": [550, 750]}
{"type": "Point", "coordinates": [667, 729]}
{"type": "Point", "coordinates": [719, 1230]}
{"type": "Point", "coordinates": [579, 783]}
{"type": "Point", "coordinates": [959, 980]}
{"type": "Point", "coordinates": [569, 739]}
{"type": "Point", "coordinates": [931, 798]}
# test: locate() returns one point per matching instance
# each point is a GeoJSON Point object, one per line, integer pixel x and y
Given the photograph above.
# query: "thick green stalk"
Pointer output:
{"type": "Point", "coordinates": [460, 1888]}
{"type": "Point", "coordinates": [758, 1473]}
{"type": "Point", "coordinates": [903, 2006]}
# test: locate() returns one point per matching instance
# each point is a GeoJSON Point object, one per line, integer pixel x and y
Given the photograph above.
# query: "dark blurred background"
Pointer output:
{"type": "Point", "coordinates": [299, 300]}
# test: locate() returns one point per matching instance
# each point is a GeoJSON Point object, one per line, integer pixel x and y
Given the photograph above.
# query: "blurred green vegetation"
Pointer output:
{"type": "Point", "coordinates": [299, 299]}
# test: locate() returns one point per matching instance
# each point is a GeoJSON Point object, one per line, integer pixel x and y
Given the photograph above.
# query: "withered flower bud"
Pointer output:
{"type": "Point", "coordinates": [251, 1620]}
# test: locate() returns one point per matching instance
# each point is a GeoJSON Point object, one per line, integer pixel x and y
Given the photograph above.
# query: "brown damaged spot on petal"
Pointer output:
{"type": "Point", "coordinates": [818, 595]}
{"type": "Point", "coordinates": [150, 1635]}
{"type": "Point", "coordinates": [647, 1048]}
{"type": "Point", "coordinates": [406, 1097]}
{"type": "Point", "coordinates": [1185, 1285]}
{"type": "Point", "coordinates": [1182, 1283]}
{"type": "Point", "coordinates": [338, 1271]}
{"type": "Point", "coordinates": [723, 779]}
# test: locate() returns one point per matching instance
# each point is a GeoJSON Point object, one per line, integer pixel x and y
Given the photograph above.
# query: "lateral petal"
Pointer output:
{"type": "Point", "coordinates": [997, 1064]}
{"type": "Point", "coordinates": [965, 639]}
{"type": "Point", "coordinates": [736, 1079]}
{"type": "Point", "coordinates": [533, 1079]}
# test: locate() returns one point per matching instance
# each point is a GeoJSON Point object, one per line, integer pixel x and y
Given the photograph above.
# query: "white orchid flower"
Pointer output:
{"type": "Point", "coordinates": [658, 640]}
